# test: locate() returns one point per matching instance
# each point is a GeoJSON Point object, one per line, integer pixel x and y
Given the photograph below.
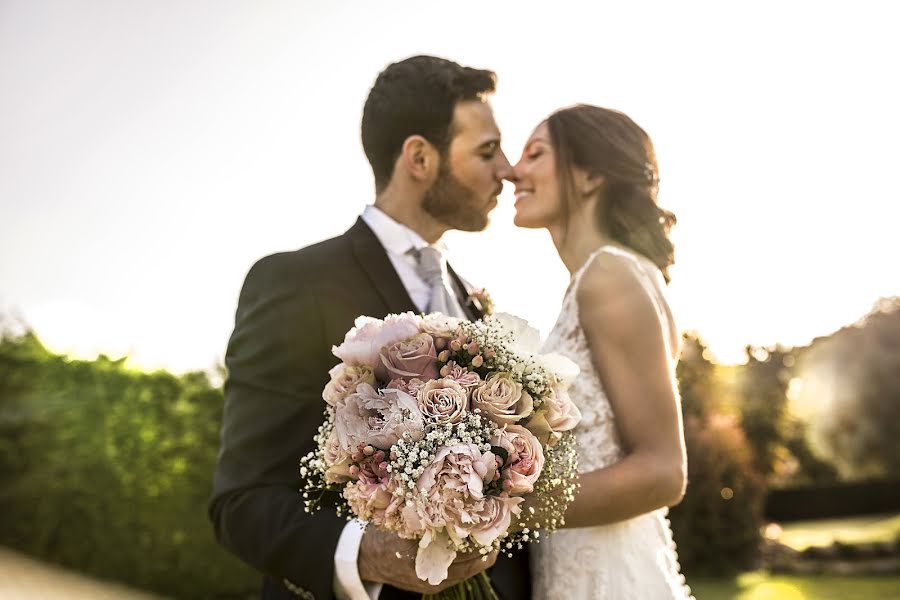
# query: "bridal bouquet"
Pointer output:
{"type": "Point", "coordinates": [454, 433]}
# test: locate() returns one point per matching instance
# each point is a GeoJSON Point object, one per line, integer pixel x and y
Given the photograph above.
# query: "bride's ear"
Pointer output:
{"type": "Point", "coordinates": [588, 185]}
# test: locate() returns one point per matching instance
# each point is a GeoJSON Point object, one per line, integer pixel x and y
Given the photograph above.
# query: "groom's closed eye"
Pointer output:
{"type": "Point", "coordinates": [488, 149]}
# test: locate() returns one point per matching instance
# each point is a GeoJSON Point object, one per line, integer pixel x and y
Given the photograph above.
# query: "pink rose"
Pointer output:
{"type": "Point", "coordinates": [502, 398]}
{"type": "Point", "coordinates": [411, 387]}
{"type": "Point", "coordinates": [557, 414]}
{"type": "Point", "coordinates": [378, 418]}
{"type": "Point", "coordinates": [344, 379]}
{"type": "Point", "coordinates": [408, 358]}
{"type": "Point", "coordinates": [337, 461]}
{"type": "Point", "coordinates": [461, 375]}
{"type": "Point", "coordinates": [443, 401]}
{"type": "Point", "coordinates": [525, 459]}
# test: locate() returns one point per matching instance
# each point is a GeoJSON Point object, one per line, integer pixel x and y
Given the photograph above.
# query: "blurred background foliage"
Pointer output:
{"type": "Point", "coordinates": [107, 470]}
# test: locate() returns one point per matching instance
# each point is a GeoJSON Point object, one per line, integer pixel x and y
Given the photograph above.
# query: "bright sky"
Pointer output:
{"type": "Point", "coordinates": [151, 152]}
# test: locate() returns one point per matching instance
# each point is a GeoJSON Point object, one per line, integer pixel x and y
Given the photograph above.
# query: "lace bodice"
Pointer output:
{"type": "Point", "coordinates": [597, 437]}
{"type": "Point", "coordinates": [633, 559]}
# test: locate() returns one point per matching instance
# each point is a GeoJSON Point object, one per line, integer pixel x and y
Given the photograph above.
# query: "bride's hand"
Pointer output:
{"type": "Point", "coordinates": [386, 558]}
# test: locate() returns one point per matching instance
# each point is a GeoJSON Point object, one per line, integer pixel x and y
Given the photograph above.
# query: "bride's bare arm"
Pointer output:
{"type": "Point", "coordinates": [630, 351]}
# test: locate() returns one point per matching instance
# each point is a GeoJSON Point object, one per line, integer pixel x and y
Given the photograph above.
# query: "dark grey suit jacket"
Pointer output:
{"type": "Point", "coordinates": [293, 307]}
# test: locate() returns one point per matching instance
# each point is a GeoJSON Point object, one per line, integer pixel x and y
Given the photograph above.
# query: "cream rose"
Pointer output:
{"type": "Point", "coordinates": [344, 379]}
{"type": "Point", "coordinates": [557, 414]}
{"type": "Point", "coordinates": [502, 398]}
{"type": "Point", "coordinates": [337, 461]}
{"type": "Point", "coordinates": [440, 325]}
{"type": "Point", "coordinates": [443, 401]}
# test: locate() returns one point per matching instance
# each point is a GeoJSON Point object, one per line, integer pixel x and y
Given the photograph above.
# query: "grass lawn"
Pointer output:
{"type": "Point", "coordinates": [801, 535]}
{"type": "Point", "coordinates": [759, 586]}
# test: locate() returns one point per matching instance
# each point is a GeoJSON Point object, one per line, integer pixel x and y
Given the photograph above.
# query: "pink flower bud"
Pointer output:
{"type": "Point", "coordinates": [393, 455]}
{"type": "Point", "coordinates": [369, 450]}
{"type": "Point", "coordinates": [354, 471]}
{"type": "Point", "coordinates": [383, 466]}
{"type": "Point", "coordinates": [477, 361]}
{"type": "Point", "coordinates": [456, 345]}
{"type": "Point", "coordinates": [488, 353]}
{"type": "Point", "coordinates": [472, 348]}
{"type": "Point", "coordinates": [357, 456]}
{"type": "Point", "coordinates": [379, 456]}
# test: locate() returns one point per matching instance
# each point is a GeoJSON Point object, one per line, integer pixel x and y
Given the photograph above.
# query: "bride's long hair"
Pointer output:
{"type": "Point", "coordinates": [606, 142]}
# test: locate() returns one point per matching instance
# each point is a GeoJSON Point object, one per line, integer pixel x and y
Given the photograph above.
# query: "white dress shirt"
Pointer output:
{"type": "Point", "coordinates": [397, 240]}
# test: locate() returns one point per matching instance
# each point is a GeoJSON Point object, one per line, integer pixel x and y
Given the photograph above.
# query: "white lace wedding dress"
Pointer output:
{"type": "Point", "coordinates": [633, 559]}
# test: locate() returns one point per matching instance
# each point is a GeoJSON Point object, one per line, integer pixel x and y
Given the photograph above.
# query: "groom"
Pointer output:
{"type": "Point", "coordinates": [434, 147]}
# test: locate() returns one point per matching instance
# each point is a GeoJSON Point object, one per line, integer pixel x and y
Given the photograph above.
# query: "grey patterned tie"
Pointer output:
{"type": "Point", "coordinates": [433, 270]}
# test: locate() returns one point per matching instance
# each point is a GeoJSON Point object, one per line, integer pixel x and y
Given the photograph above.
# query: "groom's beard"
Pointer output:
{"type": "Point", "coordinates": [453, 203]}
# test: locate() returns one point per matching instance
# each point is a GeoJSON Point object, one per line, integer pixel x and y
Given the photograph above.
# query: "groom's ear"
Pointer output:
{"type": "Point", "coordinates": [420, 158]}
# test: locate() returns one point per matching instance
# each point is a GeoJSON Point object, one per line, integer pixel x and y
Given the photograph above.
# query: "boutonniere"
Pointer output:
{"type": "Point", "coordinates": [482, 300]}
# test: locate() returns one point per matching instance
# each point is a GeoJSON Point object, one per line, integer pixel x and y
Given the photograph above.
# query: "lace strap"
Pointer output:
{"type": "Point", "coordinates": [576, 278]}
{"type": "Point", "coordinates": [609, 249]}
{"type": "Point", "coordinates": [643, 271]}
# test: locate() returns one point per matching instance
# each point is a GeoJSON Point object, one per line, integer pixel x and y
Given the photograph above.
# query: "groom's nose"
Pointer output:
{"type": "Point", "coordinates": [504, 170]}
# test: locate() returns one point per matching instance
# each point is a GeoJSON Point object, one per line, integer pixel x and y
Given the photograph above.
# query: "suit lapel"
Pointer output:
{"type": "Point", "coordinates": [374, 260]}
{"type": "Point", "coordinates": [473, 311]}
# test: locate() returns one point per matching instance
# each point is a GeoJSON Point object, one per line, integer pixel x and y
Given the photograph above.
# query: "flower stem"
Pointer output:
{"type": "Point", "coordinates": [475, 588]}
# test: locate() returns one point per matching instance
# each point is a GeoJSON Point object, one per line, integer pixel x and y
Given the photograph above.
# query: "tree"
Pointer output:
{"type": "Point", "coordinates": [763, 405]}
{"type": "Point", "coordinates": [852, 379]}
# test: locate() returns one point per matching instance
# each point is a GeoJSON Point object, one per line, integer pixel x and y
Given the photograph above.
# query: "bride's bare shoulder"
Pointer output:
{"type": "Point", "coordinates": [612, 296]}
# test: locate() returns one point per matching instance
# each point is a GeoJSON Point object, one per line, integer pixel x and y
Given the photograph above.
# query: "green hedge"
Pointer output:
{"type": "Point", "coordinates": [107, 470]}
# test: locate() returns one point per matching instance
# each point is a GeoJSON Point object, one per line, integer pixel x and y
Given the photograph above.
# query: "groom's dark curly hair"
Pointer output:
{"type": "Point", "coordinates": [416, 96]}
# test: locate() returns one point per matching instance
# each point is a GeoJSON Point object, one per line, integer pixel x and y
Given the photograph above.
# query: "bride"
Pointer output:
{"type": "Point", "coordinates": [589, 176]}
